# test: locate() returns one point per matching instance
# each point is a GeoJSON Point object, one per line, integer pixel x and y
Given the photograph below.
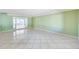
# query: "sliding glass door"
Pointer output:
{"type": "Point", "coordinates": [19, 23]}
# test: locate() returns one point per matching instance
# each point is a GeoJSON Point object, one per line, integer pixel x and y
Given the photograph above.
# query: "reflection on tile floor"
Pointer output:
{"type": "Point", "coordinates": [36, 39]}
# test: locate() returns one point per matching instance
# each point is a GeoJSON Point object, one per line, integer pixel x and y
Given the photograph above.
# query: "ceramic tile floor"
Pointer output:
{"type": "Point", "coordinates": [36, 39]}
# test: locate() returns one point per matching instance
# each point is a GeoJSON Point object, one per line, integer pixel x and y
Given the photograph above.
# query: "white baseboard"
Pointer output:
{"type": "Point", "coordinates": [63, 34]}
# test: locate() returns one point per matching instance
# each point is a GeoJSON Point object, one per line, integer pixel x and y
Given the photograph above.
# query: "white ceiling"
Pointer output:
{"type": "Point", "coordinates": [31, 12]}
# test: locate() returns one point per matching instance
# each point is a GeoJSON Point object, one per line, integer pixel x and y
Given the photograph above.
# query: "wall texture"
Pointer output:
{"type": "Point", "coordinates": [30, 23]}
{"type": "Point", "coordinates": [65, 22]}
{"type": "Point", "coordinates": [78, 23]}
{"type": "Point", "coordinates": [51, 22]}
{"type": "Point", "coordinates": [70, 23]}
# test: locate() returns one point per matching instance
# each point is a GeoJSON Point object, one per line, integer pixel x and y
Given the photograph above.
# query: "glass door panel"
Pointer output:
{"type": "Point", "coordinates": [20, 23]}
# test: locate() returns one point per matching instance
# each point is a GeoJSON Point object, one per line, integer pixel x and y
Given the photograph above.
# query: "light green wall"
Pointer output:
{"type": "Point", "coordinates": [78, 24]}
{"type": "Point", "coordinates": [5, 22]}
{"type": "Point", "coordinates": [70, 22]}
{"type": "Point", "coordinates": [30, 22]}
{"type": "Point", "coordinates": [51, 22]}
{"type": "Point", "coordinates": [65, 22]}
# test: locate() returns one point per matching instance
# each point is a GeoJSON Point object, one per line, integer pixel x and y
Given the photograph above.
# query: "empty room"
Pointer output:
{"type": "Point", "coordinates": [39, 29]}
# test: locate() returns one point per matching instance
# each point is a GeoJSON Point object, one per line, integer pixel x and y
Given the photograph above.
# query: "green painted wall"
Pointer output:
{"type": "Point", "coordinates": [70, 23]}
{"type": "Point", "coordinates": [78, 23]}
{"type": "Point", "coordinates": [5, 22]}
{"type": "Point", "coordinates": [30, 23]}
{"type": "Point", "coordinates": [51, 22]}
{"type": "Point", "coordinates": [65, 22]}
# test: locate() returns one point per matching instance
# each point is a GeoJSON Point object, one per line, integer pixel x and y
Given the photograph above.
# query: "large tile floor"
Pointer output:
{"type": "Point", "coordinates": [36, 39]}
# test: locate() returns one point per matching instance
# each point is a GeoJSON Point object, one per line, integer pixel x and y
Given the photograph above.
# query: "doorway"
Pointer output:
{"type": "Point", "coordinates": [20, 23]}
